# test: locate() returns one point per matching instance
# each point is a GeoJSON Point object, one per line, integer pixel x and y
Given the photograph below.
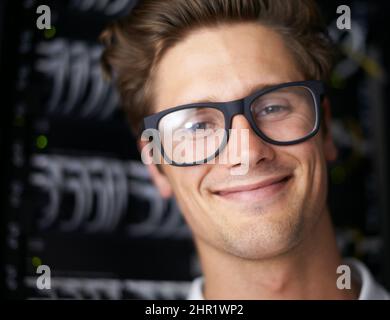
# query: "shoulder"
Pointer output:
{"type": "Point", "coordinates": [370, 289]}
{"type": "Point", "coordinates": [196, 289]}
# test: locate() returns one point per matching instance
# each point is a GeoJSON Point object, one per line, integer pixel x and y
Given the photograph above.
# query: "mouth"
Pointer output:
{"type": "Point", "coordinates": [255, 192]}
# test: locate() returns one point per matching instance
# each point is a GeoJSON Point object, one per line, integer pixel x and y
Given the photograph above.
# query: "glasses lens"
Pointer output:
{"type": "Point", "coordinates": [192, 135]}
{"type": "Point", "coordinates": [285, 114]}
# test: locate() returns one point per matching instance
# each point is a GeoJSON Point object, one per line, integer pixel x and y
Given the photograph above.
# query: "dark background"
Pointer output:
{"type": "Point", "coordinates": [75, 196]}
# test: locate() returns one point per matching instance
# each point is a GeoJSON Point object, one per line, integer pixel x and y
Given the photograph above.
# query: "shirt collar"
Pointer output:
{"type": "Point", "coordinates": [369, 288]}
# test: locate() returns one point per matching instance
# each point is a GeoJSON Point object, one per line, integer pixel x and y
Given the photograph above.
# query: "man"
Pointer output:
{"type": "Point", "coordinates": [252, 66]}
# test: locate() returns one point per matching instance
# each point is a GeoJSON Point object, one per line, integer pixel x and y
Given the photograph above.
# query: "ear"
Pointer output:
{"type": "Point", "coordinates": [330, 149]}
{"type": "Point", "coordinates": [158, 176]}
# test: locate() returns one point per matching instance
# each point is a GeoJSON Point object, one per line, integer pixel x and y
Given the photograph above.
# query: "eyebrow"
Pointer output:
{"type": "Point", "coordinates": [255, 88]}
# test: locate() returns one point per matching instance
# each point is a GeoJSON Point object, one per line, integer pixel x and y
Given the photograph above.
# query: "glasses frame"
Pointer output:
{"type": "Point", "coordinates": [242, 106]}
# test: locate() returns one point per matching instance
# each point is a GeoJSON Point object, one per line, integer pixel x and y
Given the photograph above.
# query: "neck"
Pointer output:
{"type": "Point", "coordinates": [306, 272]}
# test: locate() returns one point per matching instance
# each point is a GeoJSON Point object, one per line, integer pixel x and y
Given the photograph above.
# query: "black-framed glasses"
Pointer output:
{"type": "Point", "coordinates": [196, 133]}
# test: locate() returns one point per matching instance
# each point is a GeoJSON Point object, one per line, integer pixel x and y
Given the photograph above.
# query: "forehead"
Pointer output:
{"type": "Point", "coordinates": [222, 63]}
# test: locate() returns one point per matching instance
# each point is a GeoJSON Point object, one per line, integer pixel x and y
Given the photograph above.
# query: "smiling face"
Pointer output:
{"type": "Point", "coordinates": [275, 205]}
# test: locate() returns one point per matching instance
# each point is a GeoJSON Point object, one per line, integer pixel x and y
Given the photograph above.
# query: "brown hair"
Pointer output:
{"type": "Point", "coordinates": [136, 43]}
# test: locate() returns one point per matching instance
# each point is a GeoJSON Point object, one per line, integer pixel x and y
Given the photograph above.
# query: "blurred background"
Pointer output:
{"type": "Point", "coordinates": [76, 197]}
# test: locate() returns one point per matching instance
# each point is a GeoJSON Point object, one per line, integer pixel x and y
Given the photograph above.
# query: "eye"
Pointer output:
{"type": "Point", "coordinates": [275, 109]}
{"type": "Point", "coordinates": [197, 126]}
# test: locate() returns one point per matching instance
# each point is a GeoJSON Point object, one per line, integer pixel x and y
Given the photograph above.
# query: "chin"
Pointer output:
{"type": "Point", "coordinates": [265, 239]}
{"type": "Point", "coordinates": [259, 252]}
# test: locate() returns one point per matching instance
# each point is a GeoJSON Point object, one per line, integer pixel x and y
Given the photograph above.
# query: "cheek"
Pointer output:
{"type": "Point", "coordinates": [311, 172]}
{"type": "Point", "coordinates": [186, 184]}
{"type": "Point", "coordinates": [193, 202]}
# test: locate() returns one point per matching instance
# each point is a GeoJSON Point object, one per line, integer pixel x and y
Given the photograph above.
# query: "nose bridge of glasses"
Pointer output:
{"type": "Point", "coordinates": [234, 108]}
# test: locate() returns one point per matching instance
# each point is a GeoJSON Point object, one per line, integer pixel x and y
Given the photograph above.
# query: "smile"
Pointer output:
{"type": "Point", "coordinates": [255, 192]}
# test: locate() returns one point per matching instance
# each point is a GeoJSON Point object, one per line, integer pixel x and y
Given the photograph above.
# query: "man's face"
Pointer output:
{"type": "Point", "coordinates": [228, 63]}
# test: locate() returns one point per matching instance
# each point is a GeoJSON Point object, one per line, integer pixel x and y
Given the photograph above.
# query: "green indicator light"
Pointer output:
{"type": "Point", "coordinates": [36, 262]}
{"type": "Point", "coordinates": [42, 142]}
{"type": "Point", "coordinates": [50, 33]}
{"type": "Point", "coordinates": [337, 82]}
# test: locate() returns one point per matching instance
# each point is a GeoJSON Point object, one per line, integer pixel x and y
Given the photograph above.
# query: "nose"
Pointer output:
{"type": "Point", "coordinates": [245, 147]}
